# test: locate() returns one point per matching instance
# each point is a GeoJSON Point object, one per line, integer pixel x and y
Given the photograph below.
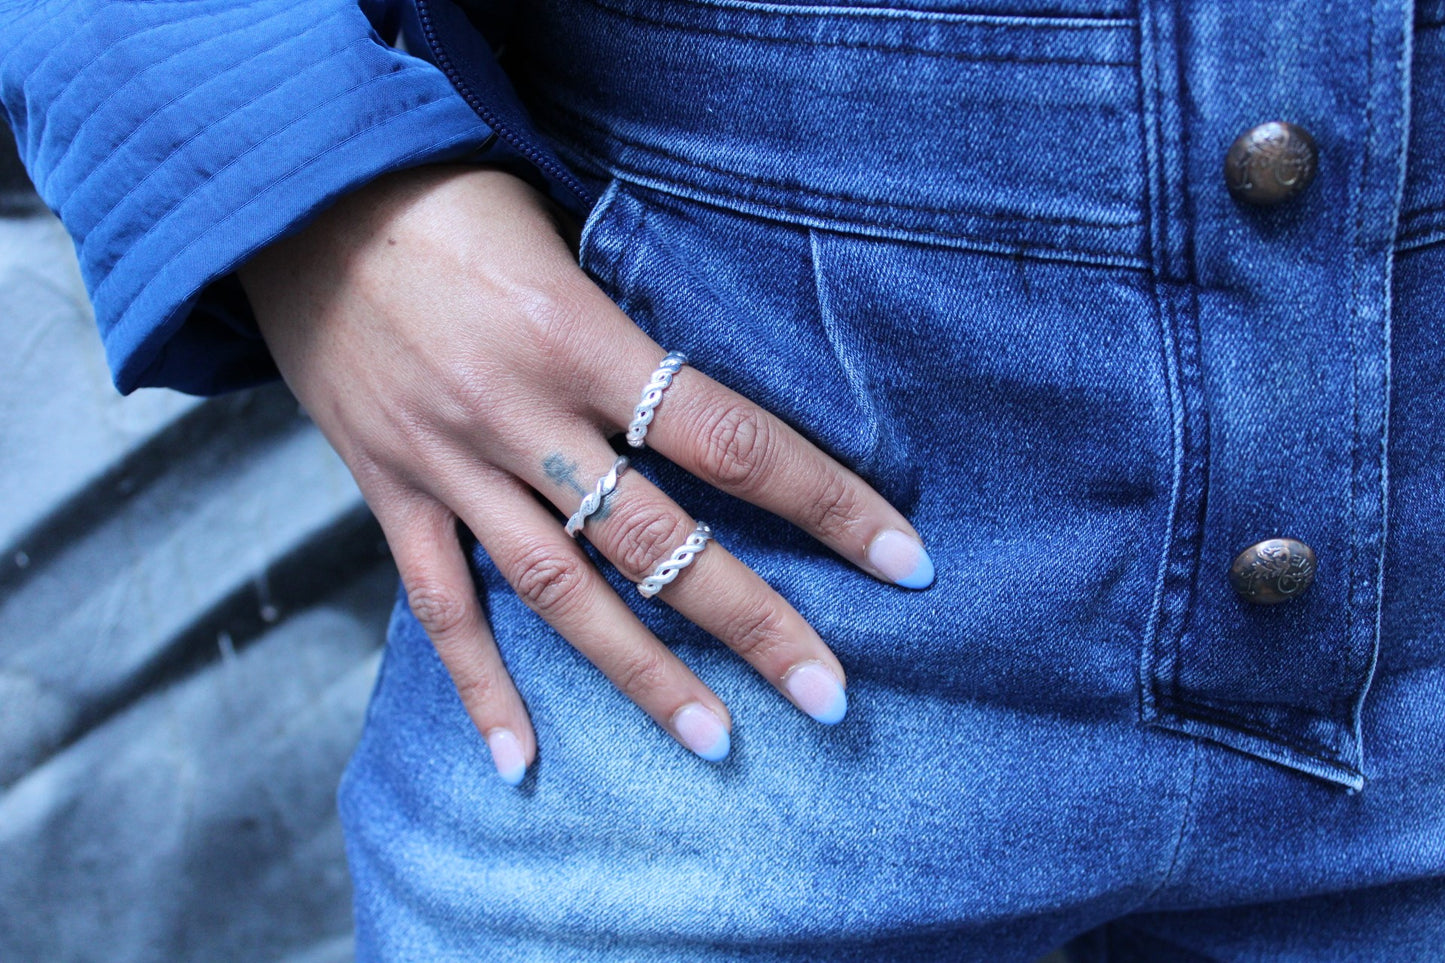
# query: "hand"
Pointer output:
{"type": "Point", "coordinates": [438, 329]}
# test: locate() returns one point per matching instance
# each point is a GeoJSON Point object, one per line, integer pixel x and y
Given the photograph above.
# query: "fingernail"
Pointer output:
{"type": "Point", "coordinates": [817, 692]}
{"type": "Point", "coordinates": [702, 731]}
{"type": "Point", "coordinates": [902, 559]}
{"type": "Point", "coordinates": [507, 755]}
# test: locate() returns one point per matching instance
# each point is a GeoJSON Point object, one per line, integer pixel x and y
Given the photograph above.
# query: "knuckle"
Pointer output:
{"type": "Point", "coordinates": [473, 393]}
{"type": "Point", "coordinates": [376, 481]}
{"type": "Point", "coordinates": [464, 395]}
{"type": "Point", "coordinates": [736, 446]}
{"type": "Point", "coordinates": [441, 611]}
{"type": "Point", "coordinates": [456, 398]}
{"type": "Point", "coordinates": [557, 314]}
{"type": "Point", "coordinates": [477, 689]}
{"type": "Point", "coordinates": [642, 671]}
{"type": "Point", "coordinates": [836, 509]}
{"type": "Point", "coordinates": [550, 584]}
{"type": "Point", "coordinates": [756, 630]}
{"type": "Point", "coordinates": [643, 537]}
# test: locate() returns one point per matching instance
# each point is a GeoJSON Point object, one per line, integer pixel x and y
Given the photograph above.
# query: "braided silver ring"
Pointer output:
{"type": "Point", "coordinates": [680, 559]}
{"type": "Point", "coordinates": [660, 381]}
{"type": "Point", "coordinates": [605, 486]}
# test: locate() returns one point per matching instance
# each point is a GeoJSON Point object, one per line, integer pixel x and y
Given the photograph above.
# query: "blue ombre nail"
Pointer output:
{"type": "Point", "coordinates": [507, 756]}
{"type": "Point", "coordinates": [922, 575]}
{"type": "Point", "coordinates": [901, 559]}
{"type": "Point", "coordinates": [817, 692]}
{"type": "Point", "coordinates": [699, 729]}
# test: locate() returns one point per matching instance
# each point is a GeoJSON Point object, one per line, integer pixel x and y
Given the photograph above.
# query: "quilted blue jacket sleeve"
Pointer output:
{"type": "Point", "coordinates": [174, 138]}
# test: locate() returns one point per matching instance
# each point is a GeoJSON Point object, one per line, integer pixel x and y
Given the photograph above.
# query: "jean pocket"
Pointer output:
{"type": "Point", "coordinates": [1015, 410]}
{"type": "Point", "coordinates": [739, 294]}
{"type": "Point", "coordinates": [1422, 210]}
{"type": "Point", "coordinates": [931, 126]}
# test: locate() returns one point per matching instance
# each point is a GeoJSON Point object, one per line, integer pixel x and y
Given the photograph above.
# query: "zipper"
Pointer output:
{"type": "Point", "coordinates": [444, 61]}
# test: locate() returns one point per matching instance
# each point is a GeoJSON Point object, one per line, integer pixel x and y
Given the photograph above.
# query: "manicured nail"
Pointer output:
{"type": "Point", "coordinates": [817, 692]}
{"type": "Point", "coordinates": [702, 731]}
{"type": "Point", "coordinates": [901, 558]}
{"type": "Point", "coordinates": [507, 755]}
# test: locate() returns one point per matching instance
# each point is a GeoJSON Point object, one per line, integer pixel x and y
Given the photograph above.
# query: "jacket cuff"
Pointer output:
{"type": "Point", "coordinates": [192, 135]}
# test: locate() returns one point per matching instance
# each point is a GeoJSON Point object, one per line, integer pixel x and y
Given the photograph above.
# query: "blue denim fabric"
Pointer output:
{"type": "Point", "coordinates": [988, 260]}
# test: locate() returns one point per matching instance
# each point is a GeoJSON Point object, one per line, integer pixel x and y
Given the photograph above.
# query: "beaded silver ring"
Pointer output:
{"type": "Point", "coordinates": [680, 559]}
{"type": "Point", "coordinates": [605, 486]}
{"type": "Point", "coordinates": [646, 409]}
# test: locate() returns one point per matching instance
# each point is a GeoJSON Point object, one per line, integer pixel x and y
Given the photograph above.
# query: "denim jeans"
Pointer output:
{"type": "Point", "coordinates": [988, 260]}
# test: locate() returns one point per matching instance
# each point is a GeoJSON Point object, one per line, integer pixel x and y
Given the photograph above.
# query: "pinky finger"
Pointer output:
{"type": "Point", "coordinates": [440, 593]}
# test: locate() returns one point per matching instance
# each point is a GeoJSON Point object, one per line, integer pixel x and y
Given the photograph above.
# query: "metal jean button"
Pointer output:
{"type": "Point", "coordinates": [1271, 163]}
{"type": "Point", "coordinates": [1272, 571]}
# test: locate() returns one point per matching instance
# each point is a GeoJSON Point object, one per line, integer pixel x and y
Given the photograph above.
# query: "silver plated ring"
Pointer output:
{"type": "Point", "coordinates": [680, 559]}
{"type": "Point", "coordinates": [646, 409]}
{"type": "Point", "coordinates": [605, 486]}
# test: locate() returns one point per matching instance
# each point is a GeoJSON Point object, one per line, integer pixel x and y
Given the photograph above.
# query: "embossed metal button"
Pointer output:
{"type": "Point", "coordinates": [1272, 571]}
{"type": "Point", "coordinates": [1271, 163]}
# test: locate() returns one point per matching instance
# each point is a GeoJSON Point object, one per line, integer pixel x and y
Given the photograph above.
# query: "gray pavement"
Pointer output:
{"type": "Point", "coordinates": [192, 600]}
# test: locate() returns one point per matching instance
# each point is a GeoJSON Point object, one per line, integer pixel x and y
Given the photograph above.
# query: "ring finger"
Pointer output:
{"type": "Point", "coordinates": [552, 575]}
{"type": "Point", "coordinates": [638, 527]}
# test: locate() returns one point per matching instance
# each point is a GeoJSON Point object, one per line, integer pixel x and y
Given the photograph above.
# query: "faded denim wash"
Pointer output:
{"type": "Point", "coordinates": [985, 256]}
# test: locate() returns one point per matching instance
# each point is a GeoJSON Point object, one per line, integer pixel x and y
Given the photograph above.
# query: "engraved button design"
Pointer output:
{"type": "Point", "coordinates": [1271, 163]}
{"type": "Point", "coordinates": [1275, 570]}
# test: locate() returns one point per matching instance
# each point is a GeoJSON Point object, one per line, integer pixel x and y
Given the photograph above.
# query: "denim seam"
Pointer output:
{"type": "Point", "coordinates": [899, 12]}
{"type": "Point", "coordinates": [1175, 687]}
{"type": "Point", "coordinates": [871, 454]}
{"type": "Point", "coordinates": [1186, 823]}
{"type": "Point", "coordinates": [749, 207]}
{"type": "Point", "coordinates": [1174, 613]}
{"type": "Point", "coordinates": [695, 30]}
{"type": "Point", "coordinates": [1157, 208]}
{"type": "Point", "coordinates": [1201, 712]}
{"type": "Point", "coordinates": [785, 185]}
{"type": "Point", "coordinates": [1168, 653]}
{"type": "Point", "coordinates": [1165, 660]}
{"type": "Point", "coordinates": [1381, 462]}
{"type": "Point", "coordinates": [619, 287]}
{"type": "Point", "coordinates": [1358, 326]}
{"type": "Point", "coordinates": [602, 268]}
{"type": "Point", "coordinates": [1356, 316]}
{"type": "Point", "coordinates": [1420, 241]}
{"type": "Point", "coordinates": [1190, 366]}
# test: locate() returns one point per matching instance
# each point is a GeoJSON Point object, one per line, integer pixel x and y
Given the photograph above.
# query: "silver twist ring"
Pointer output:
{"type": "Point", "coordinates": [661, 380]}
{"type": "Point", "coordinates": [606, 485]}
{"type": "Point", "coordinates": [680, 559]}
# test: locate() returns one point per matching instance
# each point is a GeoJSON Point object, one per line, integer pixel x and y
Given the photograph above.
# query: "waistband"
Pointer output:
{"type": "Point", "coordinates": [1014, 134]}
